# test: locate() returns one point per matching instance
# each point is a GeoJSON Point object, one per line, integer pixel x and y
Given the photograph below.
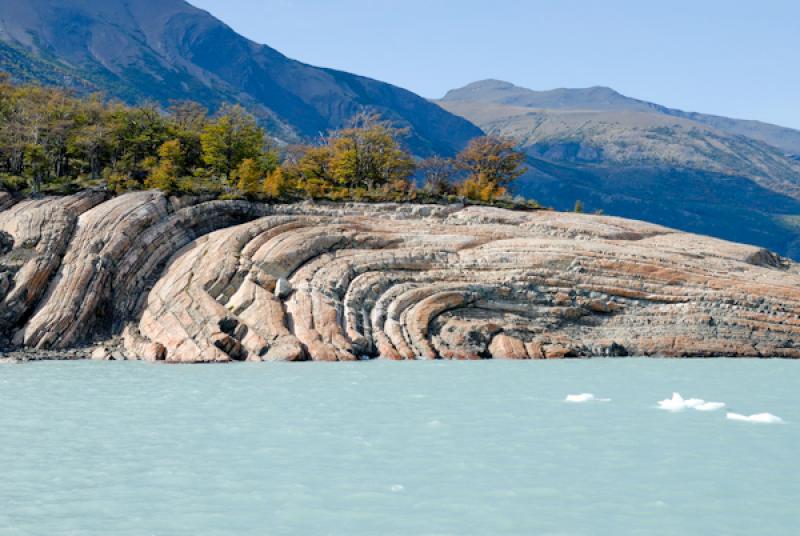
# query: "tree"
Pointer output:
{"type": "Point", "coordinates": [53, 140]}
{"type": "Point", "coordinates": [188, 119]}
{"type": "Point", "coordinates": [188, 116]}
{"type": "Point", "coordinates": [136, 134]}
{"type": "Point", "coordinates": [312, 170]}
{"type": "Point", "coordinates": [250, 176]}
{"type": "Point", "coordinates": [368, 154]}
{"type": "Point", "coordinates": [232, 138]}
{"type": "Point", "coordinates": [578, 207]}
{"type": "Point", "coordinates": [275, 185]}
{"type": "Point", "coordinates": [36, 166]}
{"type": "Point", "coordinates": [89, 146]}
{"type": "Point", "coordinates": [491, 164]}
{"type": "Point", "coordinates": [13, 131]}
{"type": "Point", "coordinates": [165, 174]}
{"type": "Point", "coordinates": [438, 173]}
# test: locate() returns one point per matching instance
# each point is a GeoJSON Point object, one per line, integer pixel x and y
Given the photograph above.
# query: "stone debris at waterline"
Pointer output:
{"type": "Point", "coordinates": [187, 280]}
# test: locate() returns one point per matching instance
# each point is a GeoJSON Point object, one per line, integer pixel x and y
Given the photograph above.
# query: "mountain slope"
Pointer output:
{"type": "Point", "coordinates": [634, 138]}
{"type": "Point", "coordinates": [161, 50]}
{"type": "Point", "coordinates": [644, 161]}
{"type": "Point", "coordinates": [606, 99]}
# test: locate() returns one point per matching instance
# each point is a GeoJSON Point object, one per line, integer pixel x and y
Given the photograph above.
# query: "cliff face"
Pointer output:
{"type": "Point", "coordinates": [191, 281]}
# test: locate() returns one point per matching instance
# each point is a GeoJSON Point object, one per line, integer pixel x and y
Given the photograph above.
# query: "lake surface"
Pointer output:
{"type": "Point", "coordinates": [397, 448]}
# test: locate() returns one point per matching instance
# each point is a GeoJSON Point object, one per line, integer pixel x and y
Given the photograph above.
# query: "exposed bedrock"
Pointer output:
{"type": "Point", "coordinates": [33, 239]}
{"type": "Point", "coordinates": [5, 200]}
{"type": "Point", "coordinates": [192, 281]}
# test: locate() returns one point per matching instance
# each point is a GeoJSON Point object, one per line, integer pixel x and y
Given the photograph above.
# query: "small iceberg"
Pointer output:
{"type": "Point", "coordinates": [678, 403]}
{"type": "Point", "coordinates": [760, 418]}
{"type": "Point", "coordinates": [585, 397]}
{"type": "Point", "coordinates": [710, 406]}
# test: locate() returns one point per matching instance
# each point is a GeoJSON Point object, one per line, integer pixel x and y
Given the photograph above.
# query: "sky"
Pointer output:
{"type": "Point", "coordinates": [738, 58]}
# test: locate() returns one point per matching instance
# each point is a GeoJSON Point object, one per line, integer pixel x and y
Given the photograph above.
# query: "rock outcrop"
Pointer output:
{"type": "Point", "coordinates": [5, 200]}
{"type": "Point", "coordinates": [193, 281]}
{"type": "Point", "coordinates": [33, 239]}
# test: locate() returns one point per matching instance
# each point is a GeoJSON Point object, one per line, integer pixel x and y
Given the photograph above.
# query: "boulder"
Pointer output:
{"type": "Point", "coordinates": [101, 353]}
{"type": "Point", "coordinates": [283, 288]}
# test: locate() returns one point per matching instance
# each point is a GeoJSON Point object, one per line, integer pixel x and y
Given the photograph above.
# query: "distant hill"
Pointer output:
{"type": "Point", "coordinates": [608, 100]}
{"type": "Point", "coordinates": [162, 50]}
{"type": "Point", "coordinates": [706, 174]}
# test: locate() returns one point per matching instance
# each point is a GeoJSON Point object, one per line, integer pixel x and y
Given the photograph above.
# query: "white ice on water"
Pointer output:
{"type": "Point", "coordinates": [678, 403]}
{"type": "Point", "coordinates": [585, 397]}
{"type": "Point", "coordinates": [710, 406]}
{"type": "Point", "coordinates": [759, 418]}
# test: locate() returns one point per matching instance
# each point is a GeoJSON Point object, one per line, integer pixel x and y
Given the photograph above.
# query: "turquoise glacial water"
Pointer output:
{"type": "Point", "coordinates": [397, 448]}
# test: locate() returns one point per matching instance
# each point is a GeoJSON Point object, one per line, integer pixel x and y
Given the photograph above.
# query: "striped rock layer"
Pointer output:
{"type": "Point", "coordinates": [184, 280]}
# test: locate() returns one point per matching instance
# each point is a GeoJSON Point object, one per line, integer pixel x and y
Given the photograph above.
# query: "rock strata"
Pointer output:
{"type": "Point", "coordinates": [216, 281]}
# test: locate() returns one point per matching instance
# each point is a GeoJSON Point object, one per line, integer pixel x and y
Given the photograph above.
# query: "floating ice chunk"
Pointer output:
{"type": "Point", "coordinates": [397, 488]}
{"type": "Point", "coordinates": [678, 403]}
{"type": "Point", "coordinates": [710, 406]}
{"type": "Point", "coordinates": [694, 403]}
{"type": "Point", "coordinates": [585, 397]}
{"type": "Point", "coordinates": [760, 418]}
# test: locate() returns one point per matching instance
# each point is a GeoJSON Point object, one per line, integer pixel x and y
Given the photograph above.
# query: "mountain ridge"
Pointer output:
{"type": "Point", "coordinates": [608, 99]}
{"type": "Point", "coordinates": [139, 50]}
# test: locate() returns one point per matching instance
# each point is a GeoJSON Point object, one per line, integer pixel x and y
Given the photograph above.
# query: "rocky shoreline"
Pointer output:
{"type": "Point", "coordinates": [144, 276]}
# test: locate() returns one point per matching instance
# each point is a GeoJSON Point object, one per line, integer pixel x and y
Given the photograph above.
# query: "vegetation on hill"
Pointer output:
{"type": "Point", "coordinates": [142, 51]}
{"type": "Point", "coordinates": [52, 141]}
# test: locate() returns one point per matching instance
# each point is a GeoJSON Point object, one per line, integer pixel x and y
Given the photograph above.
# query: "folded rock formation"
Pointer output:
{"type": "Point", "coordinates": [187, 280]}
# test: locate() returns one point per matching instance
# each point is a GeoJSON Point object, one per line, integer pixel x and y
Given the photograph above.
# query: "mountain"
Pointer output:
{"type": "Point", "coordinates": [706, 174]}
{"type": "Point", "coordinates": [162, 50]}
{"type": "Point", "coordinates": [606, 99]}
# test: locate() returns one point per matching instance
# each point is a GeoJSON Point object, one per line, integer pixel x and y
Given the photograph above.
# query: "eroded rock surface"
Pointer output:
{"type": "Point", "coordinates": [5, 200]}
{"type": "Point", "coordinates": [33, 239]}
{"type": "Point", "coordinates": [192, 281]}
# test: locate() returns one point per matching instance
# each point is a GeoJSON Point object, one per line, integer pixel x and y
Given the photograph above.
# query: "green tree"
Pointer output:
{"type": "Point", "coordinates": [232, 138]}
{"type": "Point", "coordinates": [188, 120]}
{"type": "Point", "coordinates": [250, 176]}
{"type": "Point", "coordinates": [88, 143]}
{"type": "Point", "coordinates": [166, 173]}
{"type": "Point", "coordinates": [312, 170]}
{"type": "Point", "coordinates": [136, 134]}
{"type": "Point", "coordinates": [36, 166]}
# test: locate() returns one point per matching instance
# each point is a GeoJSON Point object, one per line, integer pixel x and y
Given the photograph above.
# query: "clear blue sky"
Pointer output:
{"type": "Point", "coordinates": [729, 57]}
